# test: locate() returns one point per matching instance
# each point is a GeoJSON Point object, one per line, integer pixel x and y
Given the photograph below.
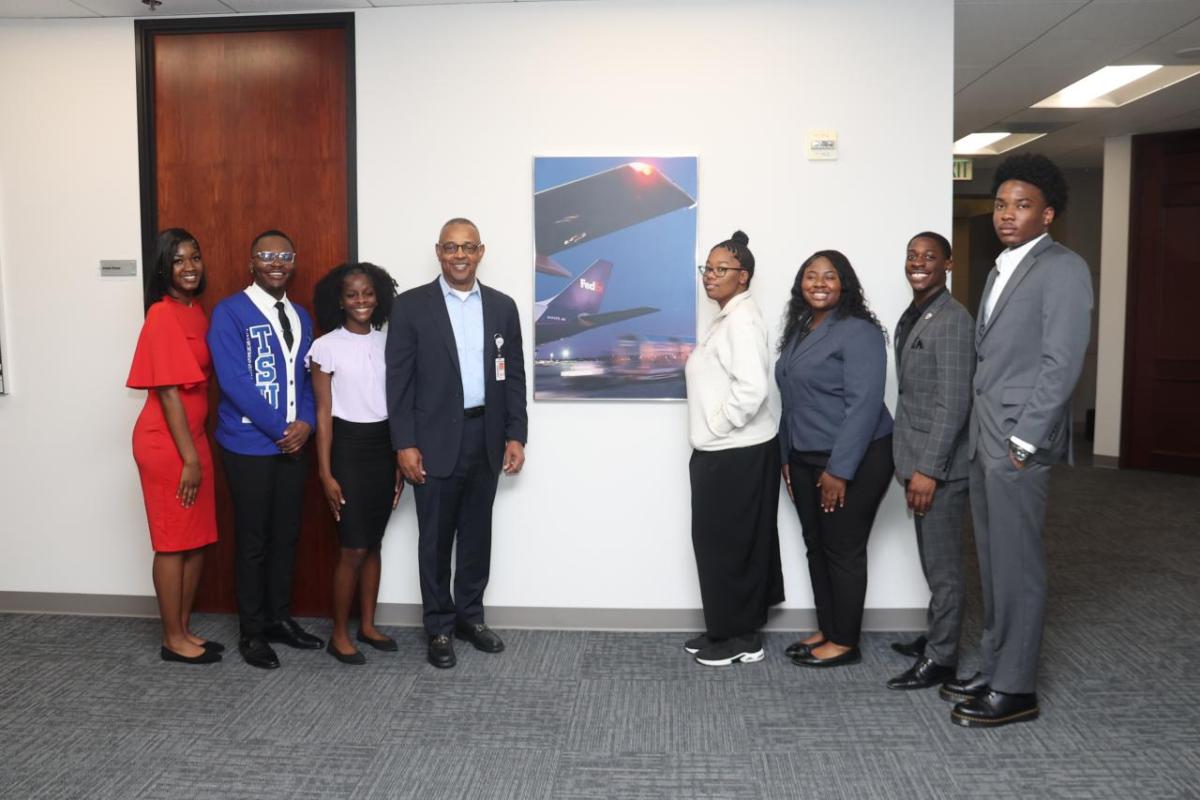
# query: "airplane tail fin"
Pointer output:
{"type": "Point", "coordinates": [585, 293]}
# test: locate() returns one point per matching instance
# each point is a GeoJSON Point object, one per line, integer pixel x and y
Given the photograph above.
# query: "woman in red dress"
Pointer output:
{"type": "Point", "coordinates": [169, 442]}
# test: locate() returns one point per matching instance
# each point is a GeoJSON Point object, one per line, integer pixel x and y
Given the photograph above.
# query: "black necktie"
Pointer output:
{"type": "Point", "coordinates": [285, 326]}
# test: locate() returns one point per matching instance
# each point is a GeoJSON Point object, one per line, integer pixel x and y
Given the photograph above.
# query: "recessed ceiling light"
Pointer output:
{"type": "Point", "coordinates": [1114, 86]}
{"type": "Point", "coordinates": [992, 143]}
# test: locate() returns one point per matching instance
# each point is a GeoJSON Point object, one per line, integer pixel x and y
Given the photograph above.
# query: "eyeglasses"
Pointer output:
{"type": "Point", "coordinates": [718, 271]}
{"type": "Point", "coordinates": [271, 256]}
{"type": "Point", "coordinates": [450, 248]}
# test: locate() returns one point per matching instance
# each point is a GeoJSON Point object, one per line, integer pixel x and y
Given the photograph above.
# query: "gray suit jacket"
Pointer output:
{"type": "Point", "coordinates": [934, 395]}
{"type": "Point", "coordinates": [1030, 353]}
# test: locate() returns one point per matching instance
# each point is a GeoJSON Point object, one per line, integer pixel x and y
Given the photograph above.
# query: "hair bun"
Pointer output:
{"type": "Point", "coordinates": [740, 238]}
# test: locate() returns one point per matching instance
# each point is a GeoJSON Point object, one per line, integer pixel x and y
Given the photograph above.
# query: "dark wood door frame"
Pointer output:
{"type": "Point", "coordinates": [145, 32]}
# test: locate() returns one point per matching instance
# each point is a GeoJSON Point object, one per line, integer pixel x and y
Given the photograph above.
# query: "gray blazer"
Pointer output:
{"type": "Point", "coordinates": [1030, 353]}
{"type": "Point", "coordinates": [933, 400]}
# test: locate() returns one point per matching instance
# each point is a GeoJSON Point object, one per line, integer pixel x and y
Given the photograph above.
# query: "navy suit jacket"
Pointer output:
{"type": "Point", "coordinates": [424, 384]}
{"type": "Point", "coordinates": [832, 389]}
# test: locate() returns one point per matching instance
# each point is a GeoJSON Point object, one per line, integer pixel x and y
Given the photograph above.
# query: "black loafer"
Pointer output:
{"type": "Point", "coordinates": [913, 649]}
{"type": "Point", "coordinates": [993, 709]}
{"type": "Point", "coordinates": [851, 656]}
{"type": "Point", "coordinates": [481, 636]}
{"type": "Point", "coordinates": [960, 690]}
{"type": "Point", "coordinates": [215, 647]}
{"type": "Point", "coordinates": [206, 657]}
{"type": "Point", "coordinates": [288, 631]}
{"type": "Point", "coordinates": [387, 644]}
{"type": "Point", "coordinates": [356, 658]}
{"type": "Point", "coordinates": [802, 648]}
{"type": "Point", "coordinates": [922, 675]}
{"type": "Point", "coordinates": [257, 653]}
{"type": "Point", "coordinates": [441, 651]}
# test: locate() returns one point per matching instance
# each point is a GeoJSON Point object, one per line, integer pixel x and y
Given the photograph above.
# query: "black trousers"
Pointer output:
{"type": "Point", "coordinates": [735, 535]}
{"type": "Point", "coordinates": [267, 493]}
{"type": "Point", "coordinates": [456, 507]}
{"type": "Point", "coordinates": [837, 541]}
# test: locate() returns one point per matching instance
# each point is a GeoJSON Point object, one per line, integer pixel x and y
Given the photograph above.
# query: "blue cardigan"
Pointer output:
{"type": "Point", "coordinates": [832, 390]}
{"type": "Point", "coordinates": [255, 394]}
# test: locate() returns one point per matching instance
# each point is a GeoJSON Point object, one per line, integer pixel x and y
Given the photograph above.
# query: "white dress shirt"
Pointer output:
{"type": "Point", "coordinates": [266, 304]}
{"type": "Point", "coordinates": [1006, 265]}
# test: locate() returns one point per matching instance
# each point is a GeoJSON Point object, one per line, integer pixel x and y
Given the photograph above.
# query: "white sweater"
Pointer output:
{"type": "Point", "coordinates": [728, 380]}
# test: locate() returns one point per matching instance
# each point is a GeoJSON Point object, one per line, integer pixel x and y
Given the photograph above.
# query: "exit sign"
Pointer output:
{"type": "Point", "coordinates": [963, 169]}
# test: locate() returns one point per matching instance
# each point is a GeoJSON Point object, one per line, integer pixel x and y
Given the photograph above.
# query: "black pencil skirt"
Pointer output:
{"type": "Point", "coordinates": [363, 462]}
{"type": "Point", "coordinates": [735, 535]}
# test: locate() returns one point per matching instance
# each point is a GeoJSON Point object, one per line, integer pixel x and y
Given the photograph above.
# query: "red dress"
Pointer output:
{"type": "Point", "coordinates": [171, 351]}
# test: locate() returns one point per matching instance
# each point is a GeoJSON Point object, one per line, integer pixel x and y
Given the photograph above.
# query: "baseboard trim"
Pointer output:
{"type": "Point", "coordinates": [518, 617]}
{"type": "Point", "coordinates": [1106, 462]}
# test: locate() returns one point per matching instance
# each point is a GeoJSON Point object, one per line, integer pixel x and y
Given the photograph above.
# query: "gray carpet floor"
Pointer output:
{"type": "Point", "coordinates": [87, 710]}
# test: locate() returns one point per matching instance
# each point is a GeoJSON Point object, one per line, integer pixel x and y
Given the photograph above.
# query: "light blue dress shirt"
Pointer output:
{"type": "Point", "coordinates": [466, 318]}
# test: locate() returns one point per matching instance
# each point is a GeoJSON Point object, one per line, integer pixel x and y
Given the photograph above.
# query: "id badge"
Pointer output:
{"type": "Point", "coordinates": [500, 368]}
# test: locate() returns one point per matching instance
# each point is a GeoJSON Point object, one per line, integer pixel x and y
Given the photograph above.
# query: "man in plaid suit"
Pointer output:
{"type": "Point", "coordinates": [935, 361]}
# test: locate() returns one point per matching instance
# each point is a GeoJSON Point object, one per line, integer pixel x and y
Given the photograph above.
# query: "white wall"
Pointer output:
{"type": "Point", "coordinates": [1114, 271]}
{"type": "Point", "coordinates": [70, 516]}
{"type": "Point", "coordinates": [453, 103]}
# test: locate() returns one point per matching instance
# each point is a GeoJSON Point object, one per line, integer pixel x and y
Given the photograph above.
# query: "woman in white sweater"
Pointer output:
{"type": "Point", "coordinates": [734, 466]}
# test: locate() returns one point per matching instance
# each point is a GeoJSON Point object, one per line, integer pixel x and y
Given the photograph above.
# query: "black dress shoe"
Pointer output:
{"type": "Point", "coordinates": [356, 658]}
{"type": "Point", "coordinates": [993, 709]}
{"type": "Point", "coordinates": [387, 644]}
{"type": "Point", "coordinates": [913, 649]}
{"type": "Point", "coordinates": [801, 648]}
{"type": "Point", "coordinates": [851, 656]}
{"type": "Point", "coordinates": [257, 653]}
{"type": "Point", "coordinates": [962, 689]}
{"type": "Point", "coordinates": [288, 631]}
{"type": "Point", "coordinates": [215, 647]}
{"type": "Point", "coordinates": [206, 657]}
{"type": "Point", "coordinates": [922, 675]}
{"type": "Point", "coordinates": [441, 651]}
{"type": "Point", "coordinates": [481, 636]}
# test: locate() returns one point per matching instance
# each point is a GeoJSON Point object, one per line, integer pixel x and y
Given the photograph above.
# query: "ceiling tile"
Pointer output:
{"type": "Point", "coordinates": [265, 6]}
{"type": "Point", "coordinates": [43, 8]}
{"type": "Point", "coordinates": [135, 8]}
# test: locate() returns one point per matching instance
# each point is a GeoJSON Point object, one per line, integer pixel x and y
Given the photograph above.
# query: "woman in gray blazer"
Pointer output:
{"type": "Point", "coordinates": [836, 437]}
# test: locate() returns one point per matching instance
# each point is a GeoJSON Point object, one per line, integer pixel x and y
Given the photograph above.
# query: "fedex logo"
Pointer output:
{"type": "Point", "coordinates": [591, 286]}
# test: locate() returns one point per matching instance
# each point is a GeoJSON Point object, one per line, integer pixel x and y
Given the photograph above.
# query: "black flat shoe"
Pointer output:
{"type": "Point", "coordinates": [993, 709]}
{"type": "Point", "coordinates": [215, 647]}
{"type": "Point", "coordinates": [356, 658]}
{"type": "Point", "coordinates": [481, 636]}
{"type": "Point", "coordinates": [851, 656]}
{"type": "Point", "coordinates": [913, 649]}
{"type": "Point", "coordinates": [257, 653]}
{"type": "Point", "coordinates": [802, 648]}
{"type": "Point", "coordinates": [441, 652]}
{"type": "Point", "coordinates": [289, 632]}
{"type": "Point", "coordinates": [922, 675]}
{"type": "Point", "coordinates": [387, 644]}
{"type": "Point", "coordinates": [960, 690]}
{"type": "Point", "coordinates": [207, 657]}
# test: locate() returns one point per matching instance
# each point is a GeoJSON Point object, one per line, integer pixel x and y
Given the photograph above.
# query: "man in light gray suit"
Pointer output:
{"type": "Point", "coordinates": [1032, 335]}
{"type": "Point", "coordinates": [935, 360]}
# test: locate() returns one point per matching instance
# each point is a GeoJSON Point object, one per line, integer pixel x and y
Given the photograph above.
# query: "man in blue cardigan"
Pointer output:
{"type": "Point", "coordinates": [258, 340]}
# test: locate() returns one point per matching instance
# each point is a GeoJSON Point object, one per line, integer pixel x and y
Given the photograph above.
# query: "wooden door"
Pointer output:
{"type": "Point", "coordinates": [246, 125]}
{"type": "Point", "coordinates": [1160, 428]}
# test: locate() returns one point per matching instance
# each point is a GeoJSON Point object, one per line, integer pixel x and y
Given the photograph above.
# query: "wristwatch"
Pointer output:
{"type": "Point", "coordinates": [1019, 453]}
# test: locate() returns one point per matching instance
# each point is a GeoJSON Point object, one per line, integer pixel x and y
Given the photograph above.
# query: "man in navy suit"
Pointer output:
{"type": "Point", "coordinates": [456, 404]}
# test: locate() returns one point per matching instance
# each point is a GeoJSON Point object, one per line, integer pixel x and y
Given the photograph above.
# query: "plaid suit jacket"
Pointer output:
{"type": "Point", "coordinates": [933, 400]}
